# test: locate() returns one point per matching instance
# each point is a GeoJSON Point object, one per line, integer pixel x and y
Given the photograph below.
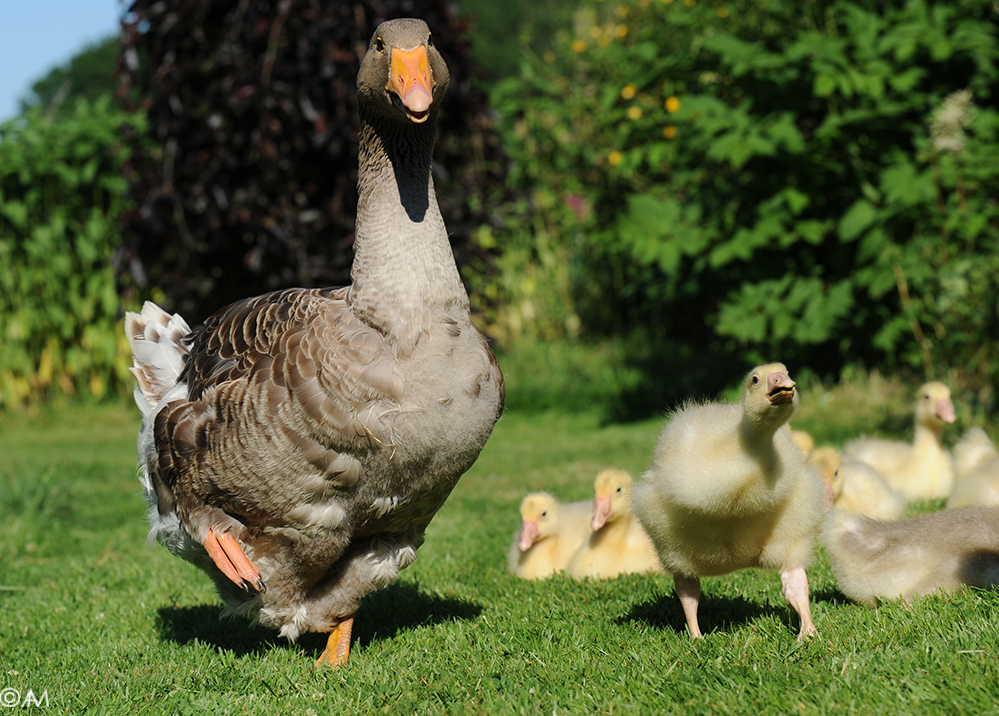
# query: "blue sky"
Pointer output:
{"type": "Point", "coordinates": [37, 35]}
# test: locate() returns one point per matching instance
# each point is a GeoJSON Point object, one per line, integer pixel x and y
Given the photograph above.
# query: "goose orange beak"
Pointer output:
{"type": "Point", "coordinates": [411, 82]}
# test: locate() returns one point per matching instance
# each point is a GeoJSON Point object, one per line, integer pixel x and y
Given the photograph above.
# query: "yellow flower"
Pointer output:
{"type": "Point", "coordinates": [628, 91]}
{"type": "Point", "coordinates": [723, 12]}
{"type": "Point", "coordinates": [669, 131]}
{"type": "Point", "coordinates": [690, 3]}
{"type": "Point", "coordinates": [672, 104]}
{"type": "Point", "coordinates": [596, 32]}
{"type": "Point", "coordinates": [549, 57]}
{"type": "Point", "coordinates": [615, 158]}
{"type": "Point", "coordinates": [578, 45]}
{"type": "Point", "coordinates": [621, 31]}
{"type": "Point", "coordinates": [634, 112]}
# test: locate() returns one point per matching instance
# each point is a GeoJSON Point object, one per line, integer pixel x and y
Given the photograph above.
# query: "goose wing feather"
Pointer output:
{"type": "Point", "coordinates": [294, 377]}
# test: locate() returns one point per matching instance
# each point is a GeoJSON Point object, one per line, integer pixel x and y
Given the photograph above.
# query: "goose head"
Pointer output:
{"type": "Point", "coordinates": [612, 490]}
{"type": "Point", "coordinates": [933, 405]}
{"type": "Point", "coordinates": [768, 395]}
{"type": "Point", "coordinates": [539, 519]}
{"type": "Point", "coordinates": [826, 460]}
{"type": "Point", "coordinates": [402, 76]}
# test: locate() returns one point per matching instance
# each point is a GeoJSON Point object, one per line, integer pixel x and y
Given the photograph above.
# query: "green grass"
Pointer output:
{"type": "Point", "coordinates": [106, 624]}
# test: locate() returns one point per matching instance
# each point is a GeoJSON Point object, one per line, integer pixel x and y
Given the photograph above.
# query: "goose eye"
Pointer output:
{"type": "Point", "coordinates": [430, 40]}
{"type": "Point", "coordinates": [379, 44]}
{"type": "Point", "coordinates": [756, 379]}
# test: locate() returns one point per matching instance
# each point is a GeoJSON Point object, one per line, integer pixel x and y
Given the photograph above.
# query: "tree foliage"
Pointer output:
{"type": "Point", "coordinates": [503, 33]}
{"type": "Point", "coordinates": [88, 75]}
{"type": "Point", "coordinates": [251, 107]}
{"type": "Point", "coordinates": [776, 178]}
{"type": "Point", "coordinates": [61, 201]}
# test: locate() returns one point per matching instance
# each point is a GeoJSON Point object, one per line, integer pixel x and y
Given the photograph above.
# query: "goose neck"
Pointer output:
{"type": "Point", "coordinates": [403, 262]}
{"type": "Point", "coordinates": [927, 436]}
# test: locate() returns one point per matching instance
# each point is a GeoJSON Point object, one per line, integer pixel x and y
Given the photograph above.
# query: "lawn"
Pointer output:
{"type": "Point", "coordinates": [102, 623]}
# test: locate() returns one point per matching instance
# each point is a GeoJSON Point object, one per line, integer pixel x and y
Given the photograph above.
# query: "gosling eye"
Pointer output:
{"type": "Point", "coordinates": [756, 379]}
{"type": "Point", "coordinates": [379, 44]}
{"type": "Point", "coordinates": [544, 514]}
{"type": "Point", "coordinates": [619, 489]}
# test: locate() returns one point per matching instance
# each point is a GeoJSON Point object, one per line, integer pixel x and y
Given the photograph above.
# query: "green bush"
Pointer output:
{"type": "Point", "coordinates": [61, 197]}
{"type": "Point", "coordinates": [815, 181]}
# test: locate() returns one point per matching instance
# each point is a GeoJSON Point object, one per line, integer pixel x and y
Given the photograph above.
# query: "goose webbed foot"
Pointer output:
{"type": "Point", "coordinates": [232, 561]}
{"type": "Point", "coordinates": [338, 647]}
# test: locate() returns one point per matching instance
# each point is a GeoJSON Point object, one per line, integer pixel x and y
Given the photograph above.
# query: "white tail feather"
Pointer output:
{"type": "Point", "coordinates": [158, 352]}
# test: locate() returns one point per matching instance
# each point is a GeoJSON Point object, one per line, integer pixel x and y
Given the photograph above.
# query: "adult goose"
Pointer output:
{"type": "Point", "coordinates": [298, 444]}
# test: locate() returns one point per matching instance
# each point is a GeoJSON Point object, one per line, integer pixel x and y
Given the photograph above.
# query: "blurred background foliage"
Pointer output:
{"type": "Point", "coordinates": [62, 196]}
{"type": "Point", "coordinates": [88, 75]}
{"type": "Point", "coordinates": [741, 180]}
{"type": "Point", "coordinates": [645, 196]}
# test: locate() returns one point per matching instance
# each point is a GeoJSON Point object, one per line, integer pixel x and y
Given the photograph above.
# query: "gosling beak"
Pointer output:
{"type": "Point", "coordinates": [780, 388]}
{"type": "Point", "coordinates": [945, 410]}
{"type": "Point", "coordinates": [411, 82]}
{"type": "Point", "coordinates": [528, 535]}
{"type": "Point", "coordinates": [602, 511]}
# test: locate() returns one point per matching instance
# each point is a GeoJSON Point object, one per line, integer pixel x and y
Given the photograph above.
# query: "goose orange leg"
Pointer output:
{"type": "Point", "coordinates": [230, 559]}
{"type": "Point", "coordinates": [338, 647]}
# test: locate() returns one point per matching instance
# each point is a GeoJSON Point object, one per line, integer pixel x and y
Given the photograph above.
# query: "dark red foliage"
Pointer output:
{"type": "Point", "coordinates": [248, 184]}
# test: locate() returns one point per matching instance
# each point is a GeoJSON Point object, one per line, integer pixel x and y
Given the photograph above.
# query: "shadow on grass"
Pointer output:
{"type": "Point", "coordinates": [383, 614]}
{"type": "Point", "coordinates": [204, 623]}
{"type": "Point", "coordinates": [713, 613]}
{"type": "Point", "coordinates": [402, 606]}
{"type": "Point", "coordinates": [830, 596]}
